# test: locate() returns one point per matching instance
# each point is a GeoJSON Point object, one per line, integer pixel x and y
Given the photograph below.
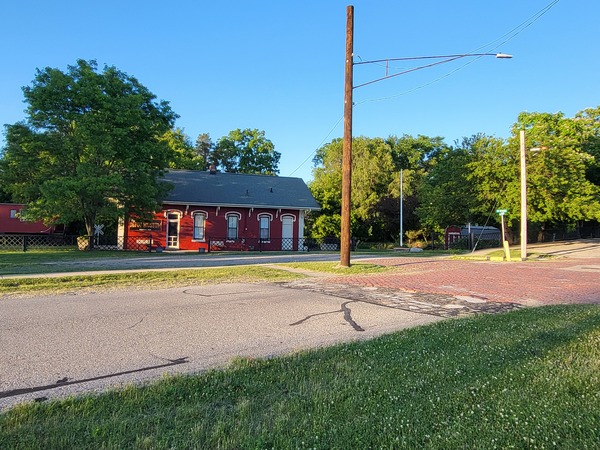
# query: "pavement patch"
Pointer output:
{"type": "Point", "coordinates": [440, 305]}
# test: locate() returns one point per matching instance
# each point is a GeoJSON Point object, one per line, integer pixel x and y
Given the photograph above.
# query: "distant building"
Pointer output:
{"type": "Point", "coordinates": [467, 236]}
{"type": "Point", "coordinates": [12, 223]}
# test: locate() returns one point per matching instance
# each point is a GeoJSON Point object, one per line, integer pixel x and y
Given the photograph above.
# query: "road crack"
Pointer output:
{"type": "Point", "coordinates": [343, 309]}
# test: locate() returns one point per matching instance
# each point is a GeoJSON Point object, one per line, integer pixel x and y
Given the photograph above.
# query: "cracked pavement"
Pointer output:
{"type": "Point", "coordinates": [61, 345]}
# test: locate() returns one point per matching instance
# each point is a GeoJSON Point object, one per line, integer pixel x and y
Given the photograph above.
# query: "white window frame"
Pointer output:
{"type": "Point", "coordinates": [195, 215]}
{"type": "Point", "coordinates": [269, 218]}
{"type": "Point", "coordinates": [238, 217]}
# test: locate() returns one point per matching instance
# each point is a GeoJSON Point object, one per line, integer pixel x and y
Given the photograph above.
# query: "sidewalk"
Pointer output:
{"type": "Point", "coordinates": [580, 248]}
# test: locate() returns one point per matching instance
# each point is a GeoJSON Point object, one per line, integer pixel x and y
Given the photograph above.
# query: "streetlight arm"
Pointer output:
{"type": "Point", "coordinates": [449, 58]}
{"type": "Point", "coordinates": [414, 58]}
{"type": "Point", "coordinates": [414, 69]}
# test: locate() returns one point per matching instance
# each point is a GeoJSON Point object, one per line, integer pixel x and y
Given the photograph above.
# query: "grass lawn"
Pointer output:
{"type": "Point", "coordinates": [55, 285]}
{"type": "Point", "coordinates": [178, 277]}
{"type": "Point", "coordinates": [64, 260]}
{"type": "Point", "coordinates": [41, 261]}
{"type": "Point", "coordinates": [356, 268]}
{"type": "Point", "coordinates": [525, 379]}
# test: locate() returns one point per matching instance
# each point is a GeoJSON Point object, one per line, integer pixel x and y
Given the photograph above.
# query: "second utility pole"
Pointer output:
{"type": "Point", "coordinates": [347, 142]}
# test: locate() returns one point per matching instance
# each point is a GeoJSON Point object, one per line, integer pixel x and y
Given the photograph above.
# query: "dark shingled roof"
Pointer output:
{"type": "Point", "coordinates": [234, 189]}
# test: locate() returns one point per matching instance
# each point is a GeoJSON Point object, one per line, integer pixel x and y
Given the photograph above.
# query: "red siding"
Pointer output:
{"type": "Point", "coordinates": [15, 225]}
{"type": "Point", "coordinates": [215, 226]}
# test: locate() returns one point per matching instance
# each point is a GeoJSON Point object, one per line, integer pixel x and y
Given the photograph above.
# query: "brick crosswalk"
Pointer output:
{"type": "Point", "coordinates": [528, 283]}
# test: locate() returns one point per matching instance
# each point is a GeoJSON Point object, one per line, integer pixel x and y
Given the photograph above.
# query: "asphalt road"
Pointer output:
{"type": "Point", "coordinates": [53, 346]}
{"type": "Point", "coordinates": [60, 345]}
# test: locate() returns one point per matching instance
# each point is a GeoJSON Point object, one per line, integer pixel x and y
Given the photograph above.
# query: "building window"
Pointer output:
{"type": "Point", "coordinates": [199, 221]}
{"type": "Point", "coordinates": [232, 226]}
{"type": "Point", "coordinates": [14, 214]}
{"type": "Point", "coordinates": [265, 227]}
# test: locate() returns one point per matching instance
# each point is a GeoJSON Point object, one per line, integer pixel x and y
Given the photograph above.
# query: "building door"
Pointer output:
{"type": "Point", "coordinates": [173, 231]}
{"type": "Point", "coordinates": [287, 233]}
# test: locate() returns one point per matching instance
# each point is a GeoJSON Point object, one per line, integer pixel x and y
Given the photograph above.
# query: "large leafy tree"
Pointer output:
{"type": "Point", "coordinates": [376, 163]}
{"type": "Point", "coordinates": [185, 155]}
{"type": "Point", "coordinates": [246, 151]}
{"type": "Point", "coordinates": [447, 192]}
{"type": "Point", "coordinates": [588, 122]}
{"type": "Point", "coordinates": [415, 157]}
{"type": "Point", "coordinates": [326, 187]}
{"type": "Point", "coordinates": [558, 190]}
{"type": "Point", "coordinates": [90, 148]}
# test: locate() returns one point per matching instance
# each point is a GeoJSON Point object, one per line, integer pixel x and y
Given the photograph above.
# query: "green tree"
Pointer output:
{"type": "Point", "coordinates": [374, 215]}
{"type": "Point", "coordinates": [90, 148]}
{"type": "Point", "coordinates": [558, 189]}
{"type": "Point", "coordinates": [4, 196]}
{"type": "Point", "coordinates": [376, 164]}
{"type": "Point", "coordinates": [326, 187]}
{"type": "Point", "coordinates": [203, 148]}
{"type": "Point", "coordinates": [185, 155]}
{"type": "Point", "coordinates": [246, 151]}
{"type": "Point", "coordinates": [446, 194]}
{"type": "Point", "coordinates": [415, 156]}
{"type": "Point", "coordinates": [414, 153]}
{"type": "Point", "coordinates": [589, 122]}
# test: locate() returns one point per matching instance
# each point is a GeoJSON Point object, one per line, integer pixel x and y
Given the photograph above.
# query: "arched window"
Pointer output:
{"type": "Point", "coordinates": [199, 225]}
{"type": "Point", "coordinates": [233, 221]}
{"type": "Point", "coordinates": [264, 225]}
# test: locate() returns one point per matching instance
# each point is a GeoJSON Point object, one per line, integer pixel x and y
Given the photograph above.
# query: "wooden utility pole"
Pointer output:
{"type": "Point", "coordinates": [347, 142]}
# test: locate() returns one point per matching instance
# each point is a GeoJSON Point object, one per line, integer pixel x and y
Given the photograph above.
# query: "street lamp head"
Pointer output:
{"type": "Point", "coordinates": [503, 56]}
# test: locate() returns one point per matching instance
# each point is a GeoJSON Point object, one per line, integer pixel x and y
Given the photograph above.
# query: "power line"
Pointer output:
{"type": "Point", "coordinates": [496, 44]}
{"type": "Point", "coordinates": [510, 35]}
{"type": "Point", "coordinates": [316, 149]}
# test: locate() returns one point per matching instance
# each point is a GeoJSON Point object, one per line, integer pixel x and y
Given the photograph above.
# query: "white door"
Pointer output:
{"type": "Point", "coordinates": [173, 231]}
{"type": "Point", "coordinates": [287, 233]}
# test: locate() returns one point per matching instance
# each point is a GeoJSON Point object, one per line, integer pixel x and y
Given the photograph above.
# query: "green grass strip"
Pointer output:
{"type": "Point", "coordinates": [526, 379]}
{"type": "Point", "coordinates": [169, 278]}
{"type": "Point", "coordinates": [64, 260]}
{"type": "Point", "coordinates": [357, 268]}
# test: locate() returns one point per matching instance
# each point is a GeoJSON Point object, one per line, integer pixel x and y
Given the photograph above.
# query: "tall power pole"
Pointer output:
{"type": "Point", "coordinates": [347, 142]}
{"type": "Point", "coordinates": [401, 207]}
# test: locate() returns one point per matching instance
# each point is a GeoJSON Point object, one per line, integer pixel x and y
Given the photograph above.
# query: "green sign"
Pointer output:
{"type": "Point", "coordinates": [501, 211]}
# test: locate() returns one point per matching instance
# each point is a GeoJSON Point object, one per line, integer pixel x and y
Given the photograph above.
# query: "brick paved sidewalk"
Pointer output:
{"type": "Point", "coordinates": [530, 283]}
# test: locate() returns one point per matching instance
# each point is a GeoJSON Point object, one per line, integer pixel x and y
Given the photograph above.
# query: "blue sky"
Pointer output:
{"type": "Point", "coordinates": [279, 65]}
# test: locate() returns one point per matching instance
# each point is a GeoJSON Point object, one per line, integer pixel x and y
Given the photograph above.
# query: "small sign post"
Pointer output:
{"type": "Point", "coordinates": [501, 212]}
{"type": "Point", "coordinates": [98, 231]}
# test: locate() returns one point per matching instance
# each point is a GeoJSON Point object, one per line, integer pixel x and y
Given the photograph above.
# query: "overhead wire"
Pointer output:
{"type": "Point", "coordinates": [495, 44]}
{"type": "Point", "coordinates": [318, 147]}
